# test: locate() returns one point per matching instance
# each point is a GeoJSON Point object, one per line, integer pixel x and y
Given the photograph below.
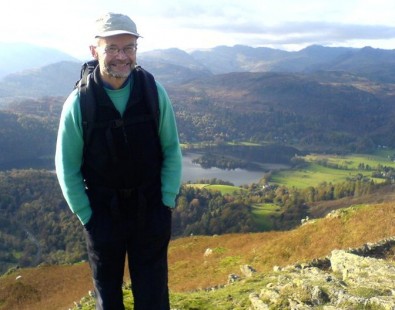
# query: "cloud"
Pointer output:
{"type": "Point", "coordinates": [189, 24]}
{"type": "Point", "coordinates": [335, 31]}
{"type": "Point", "coordinates": [301, 32]}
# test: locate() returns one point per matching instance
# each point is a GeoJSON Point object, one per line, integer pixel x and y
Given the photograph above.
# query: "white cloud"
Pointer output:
{"type": "Point", "coordinates": [188, 24]}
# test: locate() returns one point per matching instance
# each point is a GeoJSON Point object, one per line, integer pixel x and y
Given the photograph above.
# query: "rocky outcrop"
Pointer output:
{"type": "Point", "coordinates": [360, 278]}
{"type": "Point", "coordinates": [349, 279]}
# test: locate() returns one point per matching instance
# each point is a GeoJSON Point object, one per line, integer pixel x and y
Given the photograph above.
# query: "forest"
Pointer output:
{"type": "Point", "coordinates": [38, 227]}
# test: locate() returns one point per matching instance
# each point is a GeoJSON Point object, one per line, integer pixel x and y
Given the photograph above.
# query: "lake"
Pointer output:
{"type": "Point", "coordinates": [193, 172]}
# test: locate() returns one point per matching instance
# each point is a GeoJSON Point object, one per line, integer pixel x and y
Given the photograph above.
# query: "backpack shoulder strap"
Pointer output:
{"type": "Point", "coordinates": [86, 69]}
{"type": "Point", "coordinates": [150, 93]}
{"type": "Point", "coordinates": [87, 105]}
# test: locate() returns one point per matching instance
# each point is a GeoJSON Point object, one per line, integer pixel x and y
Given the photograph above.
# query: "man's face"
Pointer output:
{"type": "Point", "coordinates": [116, 55]}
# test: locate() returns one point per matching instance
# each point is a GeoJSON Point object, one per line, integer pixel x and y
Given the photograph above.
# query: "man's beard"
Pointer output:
{"type": "Point", "coordinates": [118, 75]}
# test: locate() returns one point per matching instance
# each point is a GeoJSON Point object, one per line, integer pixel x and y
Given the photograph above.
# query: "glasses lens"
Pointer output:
{"type": "Point", "coordinates": [128, 50]}
{"type": "Point", "coordinates": [111, 50]}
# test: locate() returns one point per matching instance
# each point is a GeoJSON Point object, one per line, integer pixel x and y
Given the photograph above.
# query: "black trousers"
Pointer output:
{"type": "Point", "coordinates": [117, 229]}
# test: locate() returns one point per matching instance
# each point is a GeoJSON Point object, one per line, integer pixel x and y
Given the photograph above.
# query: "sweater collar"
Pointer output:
{"type": "Point", "coordinates": [108, 86]}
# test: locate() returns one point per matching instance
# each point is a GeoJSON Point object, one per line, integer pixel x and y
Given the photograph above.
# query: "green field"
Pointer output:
{"type": "Point", "coordinates": [263, 213]}
{"type": "Point", "coordinates": [224, 189]}
{"type": "Point", "coordinates": [314, 173]}
{"type": "Point", "coordinates": [382, 157]}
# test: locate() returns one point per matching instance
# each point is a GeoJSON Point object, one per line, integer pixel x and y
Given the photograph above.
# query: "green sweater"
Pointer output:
{"type": "Point", "coordinates": [69, 149]}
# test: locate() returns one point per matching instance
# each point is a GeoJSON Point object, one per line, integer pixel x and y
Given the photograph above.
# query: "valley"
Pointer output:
{"type": "Point", "coordinates": [268, 144]}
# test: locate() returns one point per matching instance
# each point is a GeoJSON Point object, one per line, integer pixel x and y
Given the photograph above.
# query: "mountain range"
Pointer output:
{"type": "Point", "coordinates": [28, 70]}
{"type": "Point", "coordinates": [239, 58]}
{"type": "Point", "coordinates": [318, 99]}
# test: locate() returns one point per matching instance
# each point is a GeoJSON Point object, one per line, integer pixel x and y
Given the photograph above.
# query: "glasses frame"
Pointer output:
{"type": "Point", "coordinates": [112, 50]}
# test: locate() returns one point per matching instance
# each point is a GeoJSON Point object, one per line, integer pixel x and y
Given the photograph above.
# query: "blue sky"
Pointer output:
{"type": "Point", "coordinates": [191, 24]}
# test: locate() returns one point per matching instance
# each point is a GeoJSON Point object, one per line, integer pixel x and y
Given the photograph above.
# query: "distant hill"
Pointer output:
{"type": "Point", "coordinates": [16, 57]}
{"type": "Point", "coordinates": [36, 73]}
{"type": "Point", "coordinates": [241, 58]}
{"type": "Point", "coordinates": [56, 79]}
{"type": "Point", "coordinates": [320, 111]}
{"type": "Point", "coordinates": [173, 66]}
{"type": "Point", "coordinates": [339, 99]}
{"type": "Point", "coordinates": [304, 110]}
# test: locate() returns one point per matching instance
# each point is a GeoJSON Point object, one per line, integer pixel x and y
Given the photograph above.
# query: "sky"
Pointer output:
{"type": "Point", "coordinates": [198, 24]}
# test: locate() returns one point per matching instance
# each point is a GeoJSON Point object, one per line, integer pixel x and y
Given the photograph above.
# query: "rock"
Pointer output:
{"type": "Point", "coordinates": [344, 280]}
{"type": "Point", "coordinates": [270, 295]}
{"type": "Point", "coordinates": [208, 252]}
{"type": "Point", "coordinates": [257, 303]}
{"type": "Point", "coordinates": [232, 278]}
{"type": "Point", "coordinates": [276, 268]}
{"type": "Point", "coordinates": [364, 271]}
{"type": "Point", "coordinates": [247, 270]}
{"type": "Point", "coordinates": [318, 296]}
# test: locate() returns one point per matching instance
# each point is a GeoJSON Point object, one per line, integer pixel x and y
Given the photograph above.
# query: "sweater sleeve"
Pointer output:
{"type": "Point", "coordinates": [172, 157]}
{"type": "Point", "coordinates": [68, 158]}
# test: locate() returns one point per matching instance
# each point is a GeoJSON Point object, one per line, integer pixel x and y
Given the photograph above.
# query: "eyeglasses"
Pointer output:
{"type": "Point", "coordinates": [114, 51]}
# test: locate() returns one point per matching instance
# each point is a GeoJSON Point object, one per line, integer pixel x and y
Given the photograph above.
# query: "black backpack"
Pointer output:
{"type": "Point", "coordinates": [88, 110]}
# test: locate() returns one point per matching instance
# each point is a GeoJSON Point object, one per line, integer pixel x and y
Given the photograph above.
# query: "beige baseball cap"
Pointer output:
{"type": "Point", "coordinates": [111, 24]}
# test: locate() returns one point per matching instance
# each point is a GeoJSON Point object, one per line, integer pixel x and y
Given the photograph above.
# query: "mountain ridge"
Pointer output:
{"type": "Point", "coordinates": [19, 56]}
{"type": "Point", "coordinates": [174, 66]}
{"type": "Point", "coordinates": [219, 60]}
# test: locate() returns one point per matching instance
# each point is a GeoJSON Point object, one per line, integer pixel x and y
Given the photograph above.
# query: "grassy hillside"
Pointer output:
{"type": "Point", "coordinates": [335, 169]}
{"type": "Point", "coordinates": [46, 287]}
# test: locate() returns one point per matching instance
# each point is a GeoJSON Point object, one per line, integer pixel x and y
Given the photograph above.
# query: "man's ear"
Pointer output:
{"type": "Point", "coordinates": [93, 51]}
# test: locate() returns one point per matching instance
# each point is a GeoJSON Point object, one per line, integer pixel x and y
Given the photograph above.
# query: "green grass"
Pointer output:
{"type": "Point", "coordinates": [262, 214]}
{"type": "Point", "coordinates": [233, 297]}
{"type": "Point", "coordinates": [224, 189]}
{"type": "Point", "coordinates": [352, 161]}
{"type": "Point", "coordinates": [314, 174]}
{"type": "Point", "coordinates": [245, 143]}
{"type": "Point", "coordinates": [17, 255]}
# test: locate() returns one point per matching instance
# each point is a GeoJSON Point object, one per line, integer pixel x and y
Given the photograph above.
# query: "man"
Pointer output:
{"type": "Point", "coordinates": [123, 180]}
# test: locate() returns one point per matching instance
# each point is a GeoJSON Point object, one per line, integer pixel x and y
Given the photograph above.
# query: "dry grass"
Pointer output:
{"type": "Point", "coordinates": [44, 288]}
{"type": "Point", "coordinates": [190, 269]}
{"type": "Point", "coordinates": [56, 287]}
